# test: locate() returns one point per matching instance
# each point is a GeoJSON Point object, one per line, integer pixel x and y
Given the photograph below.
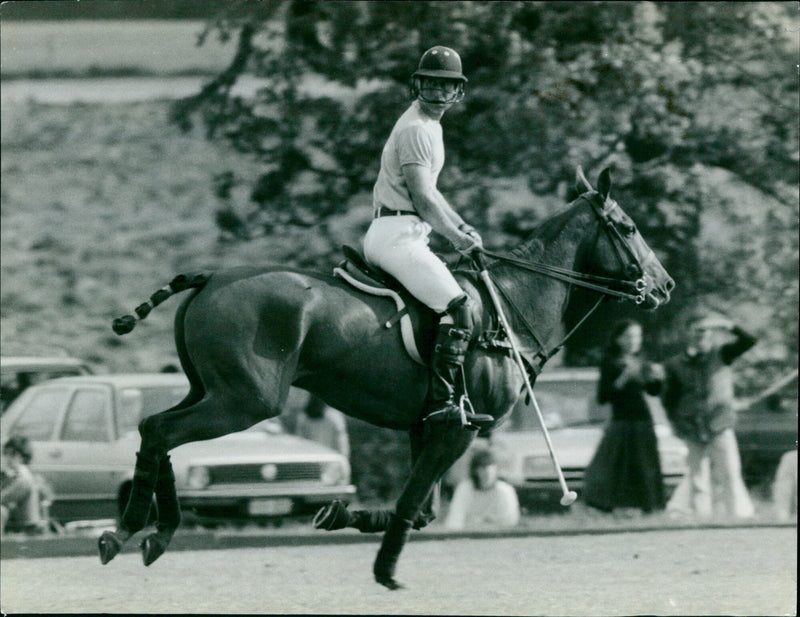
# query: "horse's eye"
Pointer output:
{"type": "Point", "coordinates": [627, 229]}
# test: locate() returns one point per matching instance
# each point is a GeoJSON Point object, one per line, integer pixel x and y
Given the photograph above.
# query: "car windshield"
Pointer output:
{"type": "Point", "coordinates": [138, 403]}
{"type": "Point", "coordinates": [562, 403]}
{"type": "Point", "coordinates": [15, 381]}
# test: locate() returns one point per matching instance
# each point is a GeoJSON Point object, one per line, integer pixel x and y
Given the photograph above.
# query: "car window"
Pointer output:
{"type": "Point", "coordinates": [87, 417]}
{"type": "Point", "coordinates": [13, 383]}
{"type": "Point", "coordinates": [562, 403]}
{"type": "Point", "coordinates": [135, 404]}
{"type": "Point", "coordinates": [38, 417]}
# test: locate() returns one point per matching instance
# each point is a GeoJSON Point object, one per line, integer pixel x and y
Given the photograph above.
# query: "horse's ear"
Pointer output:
{"type": "Point", "coordinates": [581, 183]}
{"type": "Point", "coordinates": [604, 183]}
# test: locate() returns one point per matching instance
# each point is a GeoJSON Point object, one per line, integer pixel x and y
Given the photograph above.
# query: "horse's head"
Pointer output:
{"type": "Point", "coordinates": [619, 251]}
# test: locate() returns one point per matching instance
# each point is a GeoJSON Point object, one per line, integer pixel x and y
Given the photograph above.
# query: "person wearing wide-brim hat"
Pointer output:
{"type": "Point", "coordinates": [698, 396]}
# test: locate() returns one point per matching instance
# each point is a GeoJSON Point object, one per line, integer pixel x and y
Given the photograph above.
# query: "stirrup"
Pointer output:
{"type": "Point", "coordinates": [458, 413]}
{"type": "Point", "coordinates": [469, 419]}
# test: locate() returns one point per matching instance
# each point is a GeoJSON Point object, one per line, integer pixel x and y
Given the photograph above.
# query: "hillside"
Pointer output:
{"type": "Point", "coordinates": [103, 204]}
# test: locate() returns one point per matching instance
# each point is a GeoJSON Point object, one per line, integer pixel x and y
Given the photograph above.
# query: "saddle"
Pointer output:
{"type": "Point", "coordinates": [416, 320]}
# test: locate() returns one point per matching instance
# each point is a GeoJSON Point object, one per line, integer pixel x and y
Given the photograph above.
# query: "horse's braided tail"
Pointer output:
{"type": "Point", "coordinates": [182, 282]}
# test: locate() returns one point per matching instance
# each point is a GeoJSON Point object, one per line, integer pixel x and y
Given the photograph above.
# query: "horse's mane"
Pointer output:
{"type": "Point", "coordinates": [542, 234]}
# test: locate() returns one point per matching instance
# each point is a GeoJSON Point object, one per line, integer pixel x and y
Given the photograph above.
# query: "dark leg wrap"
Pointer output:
{"type": "Point", "coordinates": [140, 501]}
{"type": "Point", "coordinates": [169, 514]}
{"type": "Point", "coordinates": [169, 510]}
{"type": "Point", "coordinates": [336, 516]}
{"type": "Point", "coordinates": [371, 521]}
{"type": "Point", "coordinates": [393, 541]}
{"type": "Point", "coordinates": [137, 511]}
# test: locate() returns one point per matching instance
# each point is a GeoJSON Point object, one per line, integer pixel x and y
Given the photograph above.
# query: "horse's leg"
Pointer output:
{"type": "Point", "coordinates": [437, 454]}
{"type": "Point", "coordinates": [148, 469]}
{"type": "Point", "coordinates": [209, 419]}
{"type": "Point", "coordinates": [336, 516]}
{"type": "Point", "coordinates": [169, 513]}
{"type": "Point", "coordinates": [212, 417]}
{"type": "Point", "coordinates": [430, 507]}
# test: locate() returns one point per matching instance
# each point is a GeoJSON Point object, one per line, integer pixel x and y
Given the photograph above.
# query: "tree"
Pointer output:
{"type": "Point", "coordinates": [665, 93]}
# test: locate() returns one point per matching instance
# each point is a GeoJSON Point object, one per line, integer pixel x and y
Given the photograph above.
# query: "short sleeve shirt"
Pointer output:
{"type": "Point", "coordinates": [415, 139]}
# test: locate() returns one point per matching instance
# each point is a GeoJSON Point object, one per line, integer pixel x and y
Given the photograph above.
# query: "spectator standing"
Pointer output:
{"type": "Point", "coordinates": [20, 491]}
{"type": "Point", "coordinates": [321, 423]}
{"type": "Point", "coordinates": [698, 396]}
{"type": "Point", "coordinates": [483, 499]}
{"type": "Point", "coordinates": [784, 489]}
{"type": "Point", "coordinates": [625, 471]}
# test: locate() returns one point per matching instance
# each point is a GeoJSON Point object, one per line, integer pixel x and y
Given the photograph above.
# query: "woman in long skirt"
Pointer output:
{"type": "Point", "coordinates": [625, 471]}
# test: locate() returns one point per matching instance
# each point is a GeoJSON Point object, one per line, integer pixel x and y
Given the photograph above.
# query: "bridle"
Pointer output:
{"type": "Point", "coordinates": [606, 286]}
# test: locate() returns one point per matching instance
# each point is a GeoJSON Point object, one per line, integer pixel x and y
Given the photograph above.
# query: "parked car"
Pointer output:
{"type": "Point", "coordinates": [19, 372]}
{"type": "Point", "coordinates": [575, 423]}
{"type": "Point", "coordinates": [766, 428]}
{"type": "Point", "coordinates": [83, 431]}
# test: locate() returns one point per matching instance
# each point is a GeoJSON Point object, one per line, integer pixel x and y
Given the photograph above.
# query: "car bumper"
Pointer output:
{"type": "Point", "coordinates": [547, 491]}
{"type": "Point", "coordinates": [231, 496]}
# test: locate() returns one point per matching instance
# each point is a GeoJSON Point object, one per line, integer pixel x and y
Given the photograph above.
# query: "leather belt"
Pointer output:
{"type": "Point", "coordinates": [381, 211]}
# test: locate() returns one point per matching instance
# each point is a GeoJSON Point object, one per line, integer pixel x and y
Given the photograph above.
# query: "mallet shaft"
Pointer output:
{"type": "Point", "coordinates": [568, 497]}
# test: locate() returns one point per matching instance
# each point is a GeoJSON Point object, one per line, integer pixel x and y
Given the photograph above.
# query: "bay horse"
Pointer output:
{"type": "Point", "coordinates": [245, 335]}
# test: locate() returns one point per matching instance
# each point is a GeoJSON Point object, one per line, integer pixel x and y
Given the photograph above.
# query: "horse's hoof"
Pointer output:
{"type": "Point", "coordinates": [332, 517]}
{"type": "Point", "coordinates": [389, 582]}
{"type": "Point", "coordinates": [152, 547]}
{"type": "Point", "coordinates": [109, 546]}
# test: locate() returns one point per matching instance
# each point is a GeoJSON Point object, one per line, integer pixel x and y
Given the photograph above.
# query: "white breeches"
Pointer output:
{"type": "Point", "coordinates": [399, 245]}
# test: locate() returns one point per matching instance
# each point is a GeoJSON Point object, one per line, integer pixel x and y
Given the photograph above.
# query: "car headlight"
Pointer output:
{"type": "Point", "coordinates": [536, 466]}
{"type": "Point", "coordinates": [334, 472]}
{"type": "Point", "coordinates": [198, 477]}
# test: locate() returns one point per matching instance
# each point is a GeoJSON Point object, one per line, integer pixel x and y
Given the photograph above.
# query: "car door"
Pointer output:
{"type": "Point", "coordinates": [38, 419]}
{"type": "Point", "coordinates": [86, 449]}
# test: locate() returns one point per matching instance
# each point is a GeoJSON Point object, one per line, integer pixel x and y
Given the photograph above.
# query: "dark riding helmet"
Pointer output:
{"type": "Point", "coordinates": [439, 62]}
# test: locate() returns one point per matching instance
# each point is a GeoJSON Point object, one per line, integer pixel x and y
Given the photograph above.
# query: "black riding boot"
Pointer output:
{"type": "Point", "coordinates": [452, 341]}
{"type": "Point", "coordinates": [394, 539]}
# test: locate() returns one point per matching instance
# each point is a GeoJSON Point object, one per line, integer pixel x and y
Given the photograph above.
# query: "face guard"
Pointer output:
{"type": "Point", "coordinates": [437, 91]}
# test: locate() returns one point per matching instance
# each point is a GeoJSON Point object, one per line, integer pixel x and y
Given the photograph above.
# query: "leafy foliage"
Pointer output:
{"type": "Point", "coordinates": [665, 93]}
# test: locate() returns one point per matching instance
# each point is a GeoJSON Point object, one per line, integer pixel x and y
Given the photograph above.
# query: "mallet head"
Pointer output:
{"type": "Point", "coordinates": [569, 498]}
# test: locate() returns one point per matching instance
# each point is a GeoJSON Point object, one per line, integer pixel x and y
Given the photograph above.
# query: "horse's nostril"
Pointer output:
{"type": "Point", "coordinates": [670, 285]}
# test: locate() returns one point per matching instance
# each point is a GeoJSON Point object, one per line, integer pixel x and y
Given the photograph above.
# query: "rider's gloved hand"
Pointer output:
{"type": "Point", "coordinates": [468, 241]}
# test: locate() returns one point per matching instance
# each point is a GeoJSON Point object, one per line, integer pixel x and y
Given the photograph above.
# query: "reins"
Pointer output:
{"type": "Point", "coordinates": [543, 355]}
{"type": "Point", "coordinates": [579, 279]}
{"type": "Point", "coordinates": [600, 284]}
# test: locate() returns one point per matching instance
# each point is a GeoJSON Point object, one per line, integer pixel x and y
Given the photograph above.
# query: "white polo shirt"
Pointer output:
{"type": "Point", "coordinates": [415, 139]}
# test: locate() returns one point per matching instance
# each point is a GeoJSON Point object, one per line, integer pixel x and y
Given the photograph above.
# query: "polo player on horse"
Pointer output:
{"type": "Point", "coordinates": [407, 206]}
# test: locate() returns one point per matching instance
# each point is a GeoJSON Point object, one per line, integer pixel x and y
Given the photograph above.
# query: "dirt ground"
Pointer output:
{"type": "Point", "coordinates": [732, 571]}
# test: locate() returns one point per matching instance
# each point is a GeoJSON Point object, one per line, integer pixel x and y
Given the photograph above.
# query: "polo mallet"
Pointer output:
{"type": "Point", "coordinates": [568, 496]}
